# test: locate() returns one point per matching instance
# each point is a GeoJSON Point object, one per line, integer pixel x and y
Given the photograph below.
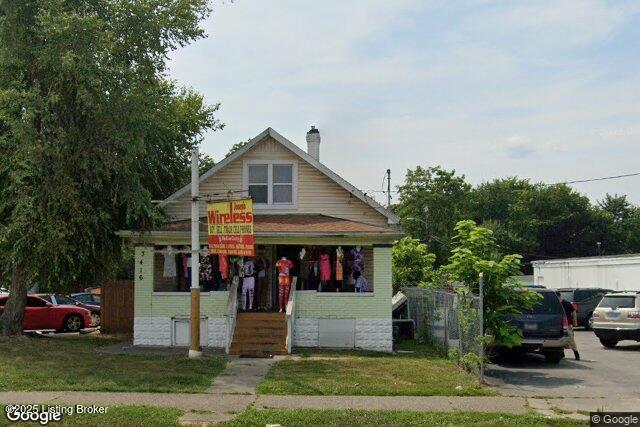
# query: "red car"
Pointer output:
{"type": "Point", "coordinates": [40, 314]}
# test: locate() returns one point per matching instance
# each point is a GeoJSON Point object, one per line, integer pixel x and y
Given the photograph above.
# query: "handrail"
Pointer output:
{"type": "Point", "coordinates": [291, 314]}
{"type": "Point", "coordinates": [230, 314]}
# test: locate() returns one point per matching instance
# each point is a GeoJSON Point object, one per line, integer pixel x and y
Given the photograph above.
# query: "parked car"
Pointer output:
{"type": "Point", "coordinates": [86, 298]}
{"type": "Point", "coordinates": [544, 328]}
{"type": "Point", "coordinates": [42, 315]}
{"type": "Point", "coordinates": [617, 318]}
{"type": "Point", "coordinates": [585, 300]}
{"type": "Point", "coordinates": [57, 299]}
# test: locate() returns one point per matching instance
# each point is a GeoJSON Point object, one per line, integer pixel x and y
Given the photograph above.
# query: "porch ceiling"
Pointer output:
{"type": "Point", "coordinates": [293, 224]}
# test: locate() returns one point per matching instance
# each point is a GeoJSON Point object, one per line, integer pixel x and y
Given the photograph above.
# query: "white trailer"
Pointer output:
{"type": "Point", "coordinates": [616, 272]}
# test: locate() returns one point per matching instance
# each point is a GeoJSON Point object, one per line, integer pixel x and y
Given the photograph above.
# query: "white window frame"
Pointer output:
{"type": "Point", "coordinates": [270, 163]}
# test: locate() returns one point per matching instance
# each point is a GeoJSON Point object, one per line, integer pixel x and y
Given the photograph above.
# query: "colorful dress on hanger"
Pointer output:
{"type": "Point", "coordinates": [339, 262]}
{"type": "Point", "coordinates": [284, 281]}
{"type": "Point", "coordinates": [325, 268]}
{"type": "Point", "coordinates": [358, 259]}
{"type": "Point", "coordinates": [223, 261]}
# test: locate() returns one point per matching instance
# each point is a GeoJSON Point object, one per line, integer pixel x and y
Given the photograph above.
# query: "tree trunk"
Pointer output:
{"type": "Point", "coordinates": [11, 319]}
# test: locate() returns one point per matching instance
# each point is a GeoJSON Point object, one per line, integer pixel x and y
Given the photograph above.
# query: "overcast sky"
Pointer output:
{"type": "Point", "coordinates": [548, 90]}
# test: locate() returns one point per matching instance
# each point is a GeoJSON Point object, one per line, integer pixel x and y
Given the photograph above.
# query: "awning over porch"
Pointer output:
{"type": "Point", "coordinates": [280, 229]}
{"type": "Point", "coordinates": [293, 224]}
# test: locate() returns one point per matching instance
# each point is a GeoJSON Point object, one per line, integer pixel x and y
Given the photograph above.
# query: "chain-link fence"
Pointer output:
{"type": "Point", "coordinates": [448, 320]}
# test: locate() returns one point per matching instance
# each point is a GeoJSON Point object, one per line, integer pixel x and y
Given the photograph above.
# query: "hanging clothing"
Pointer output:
{"type": "Point", "coordinates": [325, 268]}
{"type": "Point", "coordinates": [186, 266]}
{"type": "Point", "coordinates": [284, 289]}
{"type": "Point", "coordinates": [304, 269]}
{"type": "Point", "coordinates": [361, 284]}
{"type": "Point", "coordinates": [248, 290]}
{"type": "Point", "coordinates": [284, 281]}
{"type": "Point", "coordinates": [284, 266]}
{"type": "Point", "coordinates": [223, 261]}
{"type": "Point", "coordinates": [358, 259]}
{"type": "Point", "coordinates": [169, 269]}
{"type": "Point", "coordinates": [339, 261]}
{"type": "Point", "coordinates": [206, 273]}
{"type": "Point", "coordinates": [249, 268]}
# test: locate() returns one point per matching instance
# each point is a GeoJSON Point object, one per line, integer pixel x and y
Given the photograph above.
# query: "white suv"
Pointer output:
{"type": "Point", "coordinates": [617, 318]}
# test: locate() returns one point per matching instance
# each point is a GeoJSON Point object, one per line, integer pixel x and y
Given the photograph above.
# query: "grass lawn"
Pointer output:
{"type": "Point", "coordinates": [314, 417]}
{"type": "Point", "coordinates": [423, 373]}
{"type": "Point", "coordinates": [116, 416]}
{"type": "Point", "coordinates": [71, 363]}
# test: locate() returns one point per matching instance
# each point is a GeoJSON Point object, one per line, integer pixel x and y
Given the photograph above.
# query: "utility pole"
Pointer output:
{"type": "Point", "coordinates": [388, 188]}
{"type": "Point", "coordinates": [481, 312]}
{"type": "Point", "coordinates": [426, 223]}
{"type": "Point", "coordinates": [194, 348]}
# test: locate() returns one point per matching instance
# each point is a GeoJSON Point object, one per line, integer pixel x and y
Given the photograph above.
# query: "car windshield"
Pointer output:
{"type": "Point", "coordinates": [568, 295]}
{"type": "Point", "coordinates": [548, 304]}
{"type": "Point", "coordinates": [61, 299]}
{"type": "Point", "coordinates": [96, 298]}
{"type": "Point", "coordinates": [618, 302]}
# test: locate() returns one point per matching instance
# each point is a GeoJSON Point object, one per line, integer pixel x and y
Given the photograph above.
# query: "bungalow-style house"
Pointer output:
{"type": "Point", "coordinates": [331, 232]}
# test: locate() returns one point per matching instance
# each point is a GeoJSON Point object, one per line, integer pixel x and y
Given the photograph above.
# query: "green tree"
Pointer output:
{"type": "Point", "coordinates": [617, 226]}
{"type": "Point", "coordinates": [431, 201]}
{"type": "Point", "coordinates": [541, 221]}
{"type": "Point", "coordinates": [476, 252]}
{"type": "Point", "coordinates": [502, 206]}
{"type": "Point", "coordinates": [238, 145]}
{"type": "Point", "coordinates": [90, 132]}
{"type": "Point", "coordinates": [564, 220]}
{"type": "Point", "coordinates": [412, 263]}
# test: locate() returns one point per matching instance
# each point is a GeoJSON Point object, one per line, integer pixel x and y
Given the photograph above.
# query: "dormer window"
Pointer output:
{"type": "Point", "coordinates": [271, 183]}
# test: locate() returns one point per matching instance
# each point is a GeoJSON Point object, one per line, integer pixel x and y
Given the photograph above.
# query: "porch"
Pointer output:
{"type": "Point", "coordinates": [329, 315]}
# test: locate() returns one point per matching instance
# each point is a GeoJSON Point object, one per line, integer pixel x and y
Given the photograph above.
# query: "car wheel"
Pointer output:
{"type": "Point", "coordinates": [95, 319]}
{"type": "Point", "coordinates": [588, 324]}
{"type": "Point", "coordinates": [608, 343]}
{"type": "Point", "coordinates": [73, 323]}
{"type": "Point", "coordinates": [554, 356]}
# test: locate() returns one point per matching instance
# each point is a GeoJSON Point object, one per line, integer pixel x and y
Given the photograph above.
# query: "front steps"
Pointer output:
{"type": "Point", "coordinates": [259, 334]}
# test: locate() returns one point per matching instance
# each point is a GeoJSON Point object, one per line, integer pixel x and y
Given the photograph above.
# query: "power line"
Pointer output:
{"type": "Point", "coordinates": [600, 179]}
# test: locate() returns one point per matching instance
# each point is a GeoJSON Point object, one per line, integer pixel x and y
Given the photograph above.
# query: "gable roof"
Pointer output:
{"type": "Point", "coordinates": [269, 132]}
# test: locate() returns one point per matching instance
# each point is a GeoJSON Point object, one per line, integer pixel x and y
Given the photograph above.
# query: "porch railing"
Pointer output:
{"type": "Point", "coordinates": [291, 314]}
{"type": "Point", "coordinates": [231, 313]}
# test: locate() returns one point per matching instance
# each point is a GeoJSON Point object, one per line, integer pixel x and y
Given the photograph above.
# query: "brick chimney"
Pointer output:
{"type": "Point", "coordinates": [313, 143]}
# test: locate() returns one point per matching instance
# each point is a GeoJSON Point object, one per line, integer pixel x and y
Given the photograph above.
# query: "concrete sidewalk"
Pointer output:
{"type": "Point", "coordinates": [211, 408]}
{"type": "Point", "coordinates": [512, 405]}
{"type": "Point", "coordinates": [578, 408]}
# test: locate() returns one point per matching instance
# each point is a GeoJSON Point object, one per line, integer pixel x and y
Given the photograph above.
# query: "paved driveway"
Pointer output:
{"type": "Point", "coordinates": [601, 372]}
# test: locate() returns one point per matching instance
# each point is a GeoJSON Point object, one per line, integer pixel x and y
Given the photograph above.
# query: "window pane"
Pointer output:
{"type": "Point", "coordinates": [259, 193]}
{"type": "Point", "coordinates": [35, 302]}
{"type": "Point", "coordinates": [283, 193]}
{"type": "Point", "coordinates": [283, 174]}
{"type": "Point", "coordinates": [61, 299]}
{"type": "Point", "coordinates": [258, 174]}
